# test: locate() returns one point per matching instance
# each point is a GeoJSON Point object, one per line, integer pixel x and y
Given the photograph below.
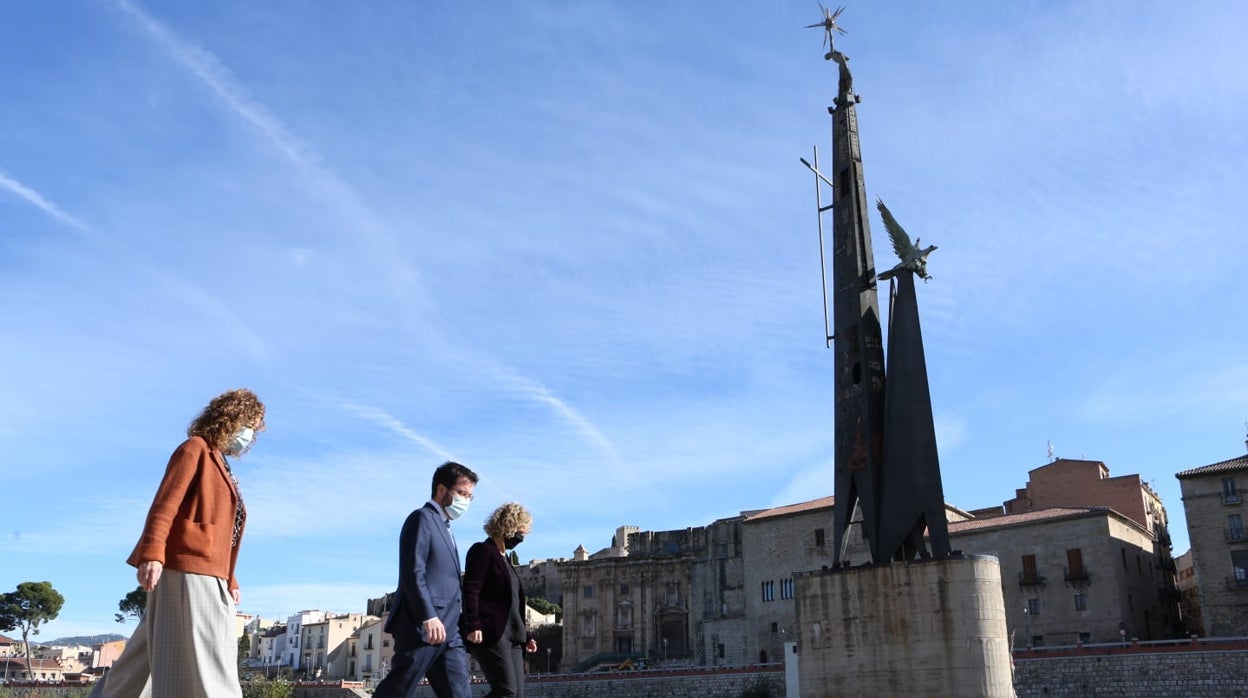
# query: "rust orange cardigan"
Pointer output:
{"type": "Point", "coordinates": [192, 517]}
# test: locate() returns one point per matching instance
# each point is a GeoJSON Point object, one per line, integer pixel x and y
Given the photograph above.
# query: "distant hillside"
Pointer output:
{"type": "Point", "coordinates": [82, 639]}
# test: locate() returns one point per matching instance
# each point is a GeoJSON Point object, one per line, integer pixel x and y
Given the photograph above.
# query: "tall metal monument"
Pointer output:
{"type": "Point", "coordinates": [886, 468]}
{"type": "Point", "coordinates": [856, 339]}
{"type": "Point", "coordinates": [931, 628]}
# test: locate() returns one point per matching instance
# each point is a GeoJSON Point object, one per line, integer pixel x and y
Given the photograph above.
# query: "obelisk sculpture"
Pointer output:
{"type": "Point", "coordinates": [912, 499]}
{"type": "Point", "coordinates": [886, 466]}
{"type": "Point", "coordinates": [857, 340]}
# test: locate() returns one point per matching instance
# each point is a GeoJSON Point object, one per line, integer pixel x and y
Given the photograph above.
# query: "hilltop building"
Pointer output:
{"type": "Point", "coordinates": [1075, 567]}
{"type": "Point", "coordinates": [1214, 503]}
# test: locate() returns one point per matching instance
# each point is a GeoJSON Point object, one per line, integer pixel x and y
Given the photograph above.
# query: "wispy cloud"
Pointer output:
{"type": "Point", "coordinates": [37, 200]}
{"type": "Point", "coordinates": [208, 68]}
{"type": "Point", "coordinates": [222, 83]}
{"type": "Point", "coordinates": [536, 392]}
{"type": "Point", "coordinates": [395, 425]}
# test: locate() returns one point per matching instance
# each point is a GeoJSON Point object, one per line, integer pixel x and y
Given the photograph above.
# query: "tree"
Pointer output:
{"type": "Point", "coordinates": [244, 648]}
{"type": "Point", "coordinates": [132, 605]}
{"type": "Point", "coordinates": [29, 607]}
{"type": "Point", "coordinates": [543, 606]}
{"type": "Point", "coordinates": [549, 648]}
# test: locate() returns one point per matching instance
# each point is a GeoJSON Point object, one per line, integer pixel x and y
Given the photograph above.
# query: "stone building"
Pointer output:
{"type": "Point", "coordinates": [1213, 500]}
{"type": "Point", "coordinates": [541, 579]}
{"type": "Point", "coordinates": [652, 593]}
{"type": "Point", "coordinates": [723, 594]}
{"type": "Point", "coordinates": [324, 651]}
{"type": "Point", "coordinates": [1074, 575]}
{"type": "Point", "coordinates": [294, 637]}
{"type": "Point", "coordinates": [374, 651]}
{"type": "Point", "coordinates": [1189, 594]}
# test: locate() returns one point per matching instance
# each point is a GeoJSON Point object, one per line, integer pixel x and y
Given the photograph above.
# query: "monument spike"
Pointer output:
{"type": "Point", "coordinates": [857, 342]}
{"type": "Point", "coordinates": [912, 496]}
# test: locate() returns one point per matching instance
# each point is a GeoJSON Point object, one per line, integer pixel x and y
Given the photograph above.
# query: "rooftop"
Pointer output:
{"type": "Point", "coordinates": [799, 508]}
{"type": "Point", "coordinates": [1226, 466]}
{"type": "Point", "coordinates": [1051, 514]}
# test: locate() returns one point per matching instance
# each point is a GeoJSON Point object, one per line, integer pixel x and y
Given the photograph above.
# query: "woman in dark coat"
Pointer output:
{"type": "Point", "coordinates": [493, 619]}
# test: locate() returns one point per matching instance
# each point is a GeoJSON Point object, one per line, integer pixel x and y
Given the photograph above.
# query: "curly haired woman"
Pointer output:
{"type": "Point", "coordinates": [493, 619]}
{"type": "Point", "coordinates": [185, 646]}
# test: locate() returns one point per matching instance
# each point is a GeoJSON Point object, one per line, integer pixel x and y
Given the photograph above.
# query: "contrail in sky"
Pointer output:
{"type": "Point", "coordinates": [35, 199]}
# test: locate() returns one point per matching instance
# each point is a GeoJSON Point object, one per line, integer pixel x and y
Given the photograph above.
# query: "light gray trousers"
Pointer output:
{"type": "Point", "coordinates": [185, 646]}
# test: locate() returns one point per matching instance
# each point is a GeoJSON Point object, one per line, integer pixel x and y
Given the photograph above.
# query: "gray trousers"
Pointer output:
{"type": "Point", "coordinates": [185, 646]}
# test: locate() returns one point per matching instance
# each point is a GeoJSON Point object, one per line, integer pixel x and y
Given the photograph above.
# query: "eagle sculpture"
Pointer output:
{"type": "Point", "coordinates": [912, 258]}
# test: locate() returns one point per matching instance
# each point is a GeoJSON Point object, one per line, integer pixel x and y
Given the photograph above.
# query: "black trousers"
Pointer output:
{"type": "Point", "coordinates": [503, 666]}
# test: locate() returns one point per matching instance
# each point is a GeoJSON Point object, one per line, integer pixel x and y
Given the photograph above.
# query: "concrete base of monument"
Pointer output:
{"type": "Point", "coordinates": [934, 628]}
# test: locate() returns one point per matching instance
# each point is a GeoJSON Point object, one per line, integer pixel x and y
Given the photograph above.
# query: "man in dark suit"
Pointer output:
{"type": "Point", "coordinates": [424, 619]}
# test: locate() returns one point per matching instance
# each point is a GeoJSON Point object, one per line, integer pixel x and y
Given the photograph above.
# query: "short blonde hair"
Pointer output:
{"type": "Point", "coordinates": [507, 520]}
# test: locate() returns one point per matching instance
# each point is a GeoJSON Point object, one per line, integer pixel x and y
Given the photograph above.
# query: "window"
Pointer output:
{"type": "Point", "coordinates": [1033, 607]}
{"type": "Point", "coordinates": [1230, 495]}
{"type": "Point", "coordinates": [589, 592]}
{"type": "Point", "coordinates": [774, 627]}
{"type": "Point", "coordinates": [819, 537]}
{"type": "Point", "coordinates": [1074, 561]}
{"type": "Point", "coordinates": [1037, 641]}
{"type": "Point", "coordinates": [769, 591]}
{"type": "Point", "coordinates": [1030, 576]}
{"type": "Point", "coordinates": [1234, 527]}
{"type": "Point", "coordinates": [786, 588]}
{"type": "Point", "coordinates": [720, 650]}
{"type": "Point", "coordinates": [1081, 602]}
{"type": "Point", "coordinates": [623, 590]}
{"type": "Point", "coordinates": [1085, 638]}
{"type": "Point", "coordinates": [1239, 563]}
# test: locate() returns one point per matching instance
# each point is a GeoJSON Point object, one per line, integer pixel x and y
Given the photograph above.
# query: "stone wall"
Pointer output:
{"type": "Point", "coordinates": [694, 683]}
{"type": "Point", "coordinates": [1138, 671]}
{"type": "Point", "coordinates": [1211, 674]}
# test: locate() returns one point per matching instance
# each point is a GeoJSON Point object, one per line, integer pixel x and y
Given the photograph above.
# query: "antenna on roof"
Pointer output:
{"type": "Point", "coordinates": [1051, 451]}
{"type": "Point", "coordinates": [1246, 435]}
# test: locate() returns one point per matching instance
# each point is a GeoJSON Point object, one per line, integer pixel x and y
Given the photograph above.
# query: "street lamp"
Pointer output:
{"type": "Point", "coordinates": [547, 660]}
{"type": "Point", "coordinates": [665, 649]}
{"type": "Point", "coordinates": [1027, 617]}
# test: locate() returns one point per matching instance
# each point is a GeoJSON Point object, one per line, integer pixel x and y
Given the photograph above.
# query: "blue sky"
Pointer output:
{"type": "Point", "coordinates": [571, 245]}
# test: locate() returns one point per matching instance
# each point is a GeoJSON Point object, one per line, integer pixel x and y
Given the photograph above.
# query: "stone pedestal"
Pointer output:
{"type": "Point", "coordinates": [905, 629]}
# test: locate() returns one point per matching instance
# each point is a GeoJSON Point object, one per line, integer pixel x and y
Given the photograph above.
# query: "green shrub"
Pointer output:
{"type": "Point", "coordinates": [276, 688]}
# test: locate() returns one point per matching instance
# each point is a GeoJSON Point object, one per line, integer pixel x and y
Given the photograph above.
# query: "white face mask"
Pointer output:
{"type": "Point", "coordinates": [458, 506]}
{"type": "Point", "coordinates": [241, 441]}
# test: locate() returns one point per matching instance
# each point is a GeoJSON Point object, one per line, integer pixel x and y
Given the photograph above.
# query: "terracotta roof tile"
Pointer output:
{"type": "Point", "coordinates": [1226, 466]}
{"type": "Point", "coordinates": [800, 507]}
{"type": "Point", "coordinates": [1037, 516]}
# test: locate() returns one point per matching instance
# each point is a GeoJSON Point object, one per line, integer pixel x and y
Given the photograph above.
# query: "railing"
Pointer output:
{"type": "Point", "coordinates": [1077, 577]}
{"type": "Point", "coordinates": [1231, 498]}
{"type": "Point", "coordinates": [1035, 580]}
{"type": "Point", "coordinates": [1236, 584]}
{"type": "Point", "coordinates": [1234, 535]}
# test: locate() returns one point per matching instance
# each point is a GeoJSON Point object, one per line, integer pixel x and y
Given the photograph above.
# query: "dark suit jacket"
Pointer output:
{"type": "Point", "coordinates": [487, 592]}
{"type": "Point", "coordinates": [428, 577]}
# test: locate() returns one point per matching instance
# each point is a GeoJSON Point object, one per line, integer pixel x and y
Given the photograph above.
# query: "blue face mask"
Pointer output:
{"type": "Point", "coordinates": [241, 441]}
{"type": "Point", "coordinates": [458, 506]}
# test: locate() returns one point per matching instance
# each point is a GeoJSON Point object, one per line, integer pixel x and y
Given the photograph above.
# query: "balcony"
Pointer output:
{"type": "Point", "coordinates": [1235, 535]}
{"type": "Point", "coordinates": [1078, 577]}
{"type": "Point", "coordinates": [1031, 581]}
{"type": "Point", "coordinates": [1231, 498]}
{"type": "Point", "coordinates": [1236, 584]}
